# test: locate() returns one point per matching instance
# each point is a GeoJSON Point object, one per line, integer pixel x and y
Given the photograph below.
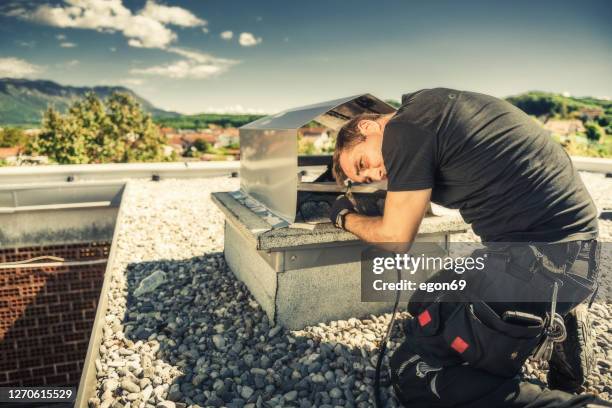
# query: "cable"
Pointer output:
{"type": "Point", "coordinates": [383, 346]}
{"type": "Point", "coordinates": [53, 264]}
{"type": "Point", "coordinates": [37, 258]}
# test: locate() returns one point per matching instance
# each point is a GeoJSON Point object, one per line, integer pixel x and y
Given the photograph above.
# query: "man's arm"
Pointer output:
{"type": "Point", "coordinates": [404, 211]}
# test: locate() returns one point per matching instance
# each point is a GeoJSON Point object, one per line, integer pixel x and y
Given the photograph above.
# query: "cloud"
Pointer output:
{"type": "Point", "coordinates": [146, 29]}
{"type": "Point", "coordinates": [132, 81]}
{"type": "Point", "coordinates": [27, 44]}
{"type": "Point", "coordinates": [180, 70]}
{"type": "Point", "coordinates": [68, 64]}
{"type": "Point", "coordinates": [12, 9]}
{"type": "Point", "coordinates": [68, 44]}
{"type": "Point", "coordinates": [227, 35]}
{"type": "Point", "coordinates": [205, 30]}
{"type": "Point", "coordinates": [171, 15]}
{"type": "Point", "coordinates": [17, 68]}
{"type": "Point", "coordinates": [235, 109]}
{"type": "Point", "coordinates": [197, 65]}
{"type": "Point", "coordinates": [113, 49]}
{"type": "Point", "coordinates": [198, 56]}
{"type": "Point", "coordinates": [248, 40]}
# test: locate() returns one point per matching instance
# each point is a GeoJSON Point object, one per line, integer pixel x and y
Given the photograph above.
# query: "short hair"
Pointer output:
{"type": "Point", "coordinates": [348, 137]}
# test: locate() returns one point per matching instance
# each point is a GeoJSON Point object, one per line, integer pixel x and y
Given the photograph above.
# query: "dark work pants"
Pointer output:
{"type": "Point", "coordinates": [465, 387]}
{"type": "Point", "coordinates": [418, 382]}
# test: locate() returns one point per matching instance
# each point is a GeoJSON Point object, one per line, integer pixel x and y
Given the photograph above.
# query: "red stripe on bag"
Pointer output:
{"type": "Point", "coordinates": [424, 318]}
{"type": "Point", "coordinates": [459, 345]}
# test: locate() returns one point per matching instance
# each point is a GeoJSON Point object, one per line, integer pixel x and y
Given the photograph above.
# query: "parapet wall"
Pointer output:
{"type": "Point", "coordinates": [47, 312]}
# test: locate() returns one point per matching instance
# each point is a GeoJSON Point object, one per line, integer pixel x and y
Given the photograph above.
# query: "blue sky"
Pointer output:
{"type": "Point", "coordinates": [280, 54]}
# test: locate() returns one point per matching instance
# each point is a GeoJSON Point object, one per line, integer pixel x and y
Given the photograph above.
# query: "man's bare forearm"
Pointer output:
{"type": "Point", "coordinates": [366, 228]}
{"type": "Point", "coordinates": [404, 212]}
{"type": "Point", "coordinates": [371, 229]}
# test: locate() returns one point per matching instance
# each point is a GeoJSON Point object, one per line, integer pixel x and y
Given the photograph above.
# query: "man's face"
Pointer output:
{"type": "Point", "coordinates": [364, 162]}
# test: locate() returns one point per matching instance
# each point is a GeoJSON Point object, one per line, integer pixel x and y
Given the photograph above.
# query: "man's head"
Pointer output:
{"type": "Point", "coordinates": [358, 154]}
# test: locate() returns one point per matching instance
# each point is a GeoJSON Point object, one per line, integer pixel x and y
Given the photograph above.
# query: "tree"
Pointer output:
{"type": "Point", "coordinates": [11, 137]}
{"type": "Point", "coordinates": [201, 145]}
{"type": "Point", "coordinates": [61, 139]}
{"type": "Point", "coordinates": [594, 132]}
{"type": "Point", "coordinates": [139, 138]}
{"type": "Point", "coordinates": [197, 148]}
{"type": "Point", "coordinates": [393, 102]}
{"type": "Point", "coordinates": [95, 131]}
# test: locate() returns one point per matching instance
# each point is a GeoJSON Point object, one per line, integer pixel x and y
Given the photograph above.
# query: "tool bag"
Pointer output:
{"type": "Point", "coordinates": [455, 330]}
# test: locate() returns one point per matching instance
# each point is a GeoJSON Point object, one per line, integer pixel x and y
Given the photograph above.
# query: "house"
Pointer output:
{"type": "Point", "coordinates": [564, 127]}
{"type": "Point", "coordinates": [318, 136]}
{"type": "Point", "coordinates": [227, 137]}
{"type": "Point", "coordinates": [182, 139]}
{"type": "Point", "coordinates": [591, 113]}
{"type": "Point", "coordinates": [208, 137]}
{"type": "Point", "coordinates": [312, 133]}
{"type": "Point", "coordinates": [9, 153]}
{"type": "Point", "coordinates": [15, 157]}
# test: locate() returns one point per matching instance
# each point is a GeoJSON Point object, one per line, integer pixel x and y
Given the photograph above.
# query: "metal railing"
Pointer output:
{"type": "Point", "coordinates": [115, 171]}
{"type": "Point", "coordinates": [123, 171]}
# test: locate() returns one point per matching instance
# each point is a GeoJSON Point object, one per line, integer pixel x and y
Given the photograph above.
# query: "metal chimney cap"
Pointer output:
{"type": "Point", "coordinates": [332, 114]}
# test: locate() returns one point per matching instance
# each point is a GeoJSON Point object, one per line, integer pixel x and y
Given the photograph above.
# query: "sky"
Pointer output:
{"type": "Point", "coordinates": [260, 56]}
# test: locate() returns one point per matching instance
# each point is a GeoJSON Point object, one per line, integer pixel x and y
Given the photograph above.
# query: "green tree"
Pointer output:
{"type": "Point", "coordinates": [95, 131]}
{"type": "Point", "coordinates": [138, 137]}
{"type": "Point", "coordinates": [604, 121]}
{"type": "Point", "coordinates": [11, 137]}
{"type": "Point", "coordinates": [393, 102]}
{"type": "Point", "coordinates": [594, 132]}
{"type": "Point", "coordinates": [201, 145]}
{"type": "Point", "coordinates": [61, 139]}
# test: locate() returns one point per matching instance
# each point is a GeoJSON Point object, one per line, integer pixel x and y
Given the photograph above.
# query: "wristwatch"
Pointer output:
{"type": "Point", "coordinates": [341, 217]}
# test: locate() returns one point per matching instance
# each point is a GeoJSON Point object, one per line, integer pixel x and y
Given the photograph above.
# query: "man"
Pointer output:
{"type": "Point", "coordinates": [507, 177]}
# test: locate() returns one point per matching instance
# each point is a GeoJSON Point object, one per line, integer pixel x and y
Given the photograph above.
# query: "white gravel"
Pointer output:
{"type": "Point", "coordinates": [200, 339]}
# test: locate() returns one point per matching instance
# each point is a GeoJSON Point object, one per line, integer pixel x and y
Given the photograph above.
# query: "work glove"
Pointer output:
{"type": "Point", "coordinates": [341, 207]}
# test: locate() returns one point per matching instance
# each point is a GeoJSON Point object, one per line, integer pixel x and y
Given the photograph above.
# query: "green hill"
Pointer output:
{"type": "Point", "coordinates": [23, 101]}
{"type": "Point", "coordinates": [539, 103]}
{"type": "Point", "coordinates": [202, 120]}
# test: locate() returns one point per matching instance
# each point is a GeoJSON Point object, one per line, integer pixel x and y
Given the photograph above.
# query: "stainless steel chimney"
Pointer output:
{"type": "Point", "coordinates": [270, 167]}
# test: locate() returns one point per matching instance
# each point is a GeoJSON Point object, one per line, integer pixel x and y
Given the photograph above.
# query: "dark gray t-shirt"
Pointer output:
{"type": "Point", "coordinates": [490, 160]}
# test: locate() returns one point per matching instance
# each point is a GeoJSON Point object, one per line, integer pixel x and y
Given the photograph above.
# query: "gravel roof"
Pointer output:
{"type": "Point", "coordinates": [201, 339]}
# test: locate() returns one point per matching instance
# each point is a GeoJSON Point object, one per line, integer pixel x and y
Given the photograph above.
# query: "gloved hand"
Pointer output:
{"type": "Point", "coordinates": [341, 207]}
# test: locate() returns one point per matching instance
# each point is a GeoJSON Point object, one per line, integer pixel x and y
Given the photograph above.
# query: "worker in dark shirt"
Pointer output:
{"type": "Point", "coordinates": [513, 184]}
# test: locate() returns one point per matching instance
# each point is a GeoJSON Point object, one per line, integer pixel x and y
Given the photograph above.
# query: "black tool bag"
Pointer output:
{"type": "Point", "coordinates": [457, 328]}
{"type": "Point", "coordinates": [454, 331]}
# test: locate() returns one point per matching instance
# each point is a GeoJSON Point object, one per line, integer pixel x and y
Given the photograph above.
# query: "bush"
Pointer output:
{"type": "Point", "coordinates": [576, 148]}
{"type": "Point", "coordinates": [11, 137]}
{"type": "Point", "coordinates": [94, 131]}
{"type": "Point", "coordinates": [604, 121]}
{"type": "Point", "coordinates": [201, 145]}
{"type": "Point", "coordinates": [594, 132]}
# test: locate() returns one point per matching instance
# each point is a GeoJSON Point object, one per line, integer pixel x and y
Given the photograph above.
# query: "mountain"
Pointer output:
{"type": "Point", "coordinates": [23, 101]}
{"type": "Point", "coordinates": [540, 103]}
